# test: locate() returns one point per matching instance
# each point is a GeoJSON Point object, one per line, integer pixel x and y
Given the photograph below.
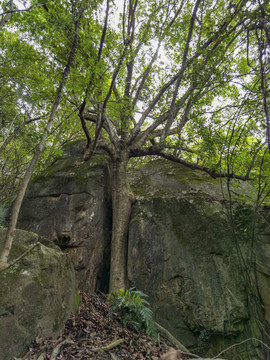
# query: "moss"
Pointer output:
{"type": "Point", "coordinates": [60, 165]}
{"type": "Point", "coordinates": [162, 178]}
{"type": "Point", "coordinates": [77, 300]}
{"type": "Point", "coordinates": [74, 168]}
{"type": "Point", "coordinates": [184, 174]}
{"type": "Point", "coordinates": [58, 321]}
{"type": "Point", "coordinates": [42, 278]}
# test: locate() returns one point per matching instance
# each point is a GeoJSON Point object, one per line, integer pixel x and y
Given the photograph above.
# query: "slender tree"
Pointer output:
{"type": "Point", "coordinates": [28, 174]}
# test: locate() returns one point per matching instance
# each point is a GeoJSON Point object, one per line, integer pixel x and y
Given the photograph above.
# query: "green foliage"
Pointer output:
{"type": "Point", "coordinates": [243, 219]}
{"type": "Point", "coordinates": [134, 310]}
{"type": "Point", "coordinates": [215, 123]}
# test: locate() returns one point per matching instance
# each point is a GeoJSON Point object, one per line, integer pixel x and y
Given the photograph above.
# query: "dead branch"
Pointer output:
{"type": "Point", "coordinates": [114, 357]}
{"type": "Point", "coordinates": [112, 345]}
{"type": "Point", "coordinates": [21, 256]}
{"type": "Point", "coordinates": [43, 356]}
{"type": "Point", "coordinates": [58, 348]}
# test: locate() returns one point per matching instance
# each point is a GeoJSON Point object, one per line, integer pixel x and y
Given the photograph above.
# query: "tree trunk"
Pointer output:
{"type": "Point", "coordinates": [17, 205]}
{"type": "Point", "coordinates": [122, 199]}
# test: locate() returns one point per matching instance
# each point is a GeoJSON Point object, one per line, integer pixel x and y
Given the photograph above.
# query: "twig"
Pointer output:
{"type": "Point", "coordinates": [21, 256]}
{"type": "Point", "coordinates": [57, 349]}
{"type": "Point", "coordinates": [242, 342]}
{"type": "Point", "coordinates": [111, 345]}
{"type": "Point", "coordinates": [114, 357]}
{"type": "Point", "coordinates": [42, 356]}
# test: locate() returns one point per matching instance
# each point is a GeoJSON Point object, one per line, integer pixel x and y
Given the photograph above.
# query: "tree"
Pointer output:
{"type": "Point", "coordinates": [175, 79]}
{"type": "Point", "coordinates": [27, 176]}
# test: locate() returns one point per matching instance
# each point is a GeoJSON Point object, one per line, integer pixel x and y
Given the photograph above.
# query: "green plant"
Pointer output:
{"type": "Point", "coordinates": [134, 310]}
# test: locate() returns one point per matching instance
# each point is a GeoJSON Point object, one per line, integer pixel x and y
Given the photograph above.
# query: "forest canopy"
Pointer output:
{"type": "Point", "coordinates": [186, 80]}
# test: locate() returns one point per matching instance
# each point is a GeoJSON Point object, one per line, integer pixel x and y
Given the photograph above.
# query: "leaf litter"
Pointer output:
{"type": "Point", "coordinates": [96, 332]}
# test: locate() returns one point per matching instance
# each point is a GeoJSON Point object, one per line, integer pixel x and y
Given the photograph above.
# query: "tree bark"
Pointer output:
{"type": "Point", "coordinates": [122, 199]}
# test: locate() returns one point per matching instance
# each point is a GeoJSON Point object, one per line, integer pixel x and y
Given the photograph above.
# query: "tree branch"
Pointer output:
{"type": "Point", "coordinates": [181, 72]}
{"type": "Point", "coordinates": [11, 11]}
{"type": "Point", "coordinates": [159, 152]}
{"type": "Point", "coordinates": [7, 16]}
{"type": "Point", "coordinates": [162, 118]}
{"type": "Point", "coordinates": [22, 255]}
{"type": "Point", "coordinates": [81, 116]}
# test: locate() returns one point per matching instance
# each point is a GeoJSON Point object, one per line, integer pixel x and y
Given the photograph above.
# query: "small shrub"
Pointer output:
{"type": "Point", "coordinates": [134, 310]}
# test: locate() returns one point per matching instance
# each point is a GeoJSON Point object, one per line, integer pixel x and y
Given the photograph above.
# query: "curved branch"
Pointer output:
{"type": "Point", "coordinates": [107, 125]}
{"type": "Point", "coordinates": [159, 152]}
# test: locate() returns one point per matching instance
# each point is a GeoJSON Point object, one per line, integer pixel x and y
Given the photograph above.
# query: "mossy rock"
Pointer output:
{"type": "Point", "coordinates": [37, 294]}
{"type": "Point", "coordinates": [163, 178]}
{"type": "Point", "coordinates": [195, 263]}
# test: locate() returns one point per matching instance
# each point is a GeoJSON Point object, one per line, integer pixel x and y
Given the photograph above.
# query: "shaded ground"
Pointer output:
{"type": "Point", "coordinates": [96, 332]}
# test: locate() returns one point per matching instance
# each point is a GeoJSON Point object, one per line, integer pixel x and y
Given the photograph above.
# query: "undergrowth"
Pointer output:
{"type": "Point", "coordinates": [134, 310]}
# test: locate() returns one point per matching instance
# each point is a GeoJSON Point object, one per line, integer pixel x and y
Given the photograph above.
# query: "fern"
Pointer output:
{"type": "Point", "coordinates": [134, 310]}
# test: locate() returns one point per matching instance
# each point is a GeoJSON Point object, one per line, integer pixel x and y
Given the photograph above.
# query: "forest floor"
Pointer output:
{"type": "Point", "coordinates": [95, 332]}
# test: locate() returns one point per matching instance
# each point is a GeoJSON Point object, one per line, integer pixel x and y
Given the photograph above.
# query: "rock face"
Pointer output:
{"type": "Point", "coordinates": [205, 275]}
{"type": "Point", "coordinates": [37, 294]}
{"type": "Point", "coordinates": [70, 204]}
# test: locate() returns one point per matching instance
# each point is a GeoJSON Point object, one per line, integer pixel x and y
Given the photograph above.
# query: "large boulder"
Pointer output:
{"type": "Point", "coordinates": [191, 244]}
{"type": "Point", "coordinates": [37, 294]}
{"type": "Point", "coordinates": [70, 203]}
{"type": "Point", "coordinates": [207, 277]}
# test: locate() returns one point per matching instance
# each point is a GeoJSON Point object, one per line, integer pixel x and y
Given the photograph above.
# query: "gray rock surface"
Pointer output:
{"type": "Point", "coordinates": [208, 277]}
{"type": "Point", "coordinates": [70, 204]}
{"type": "Point", "coordinates": [204, 276]}
{"type": "Point", "coordinates": [37, 294]}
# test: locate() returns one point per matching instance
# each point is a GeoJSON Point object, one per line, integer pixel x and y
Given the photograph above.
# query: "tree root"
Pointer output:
{"type": "Point", "coordinates": [242, 342]}
{"type": "Point", "coordinates": [167, 335]}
